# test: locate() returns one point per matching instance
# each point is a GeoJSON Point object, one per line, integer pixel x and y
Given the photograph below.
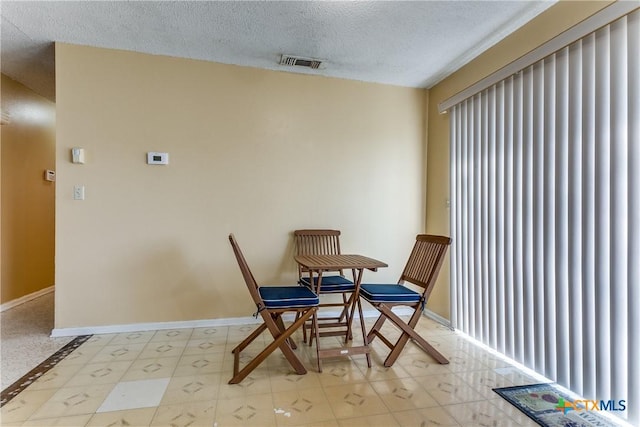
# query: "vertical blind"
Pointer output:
{"type": "Point", "coordinates": [545, 215]}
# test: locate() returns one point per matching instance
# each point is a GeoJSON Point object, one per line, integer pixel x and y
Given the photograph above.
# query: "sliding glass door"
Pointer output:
{"type": "Point", "coordinates": [545, 215]}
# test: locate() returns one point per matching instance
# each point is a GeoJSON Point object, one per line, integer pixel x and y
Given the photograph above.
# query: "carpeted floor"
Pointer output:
{"type": "Point", "coordinates": [25, 338]}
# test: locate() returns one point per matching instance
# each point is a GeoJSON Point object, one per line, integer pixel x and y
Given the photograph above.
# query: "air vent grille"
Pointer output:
{"type": "Point", "coordinates": [5, 118]}
{"type": "Point", "coordinates": [297, 61]}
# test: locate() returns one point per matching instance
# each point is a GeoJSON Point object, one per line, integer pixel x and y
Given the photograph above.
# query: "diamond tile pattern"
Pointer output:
{"type": "Point", "coordinates": [180, 378]}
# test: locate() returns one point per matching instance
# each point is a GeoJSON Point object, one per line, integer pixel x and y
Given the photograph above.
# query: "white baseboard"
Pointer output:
{"type": "Point", "coordinates": [205, 323]}
{"type": "Point", "coordinates": [436, 317]}
{"type": "Point", "coordinates": [153, 326]}
{"type": "Point", "coordinates": [16, 302]}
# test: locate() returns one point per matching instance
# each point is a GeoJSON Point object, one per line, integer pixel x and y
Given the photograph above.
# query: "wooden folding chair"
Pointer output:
{"type": "Point", "coordinates": [325, 242]}
{"type": "Point", "coordinates": [422, 270]}
{"type": "Point", "coordinates": [271, 302]}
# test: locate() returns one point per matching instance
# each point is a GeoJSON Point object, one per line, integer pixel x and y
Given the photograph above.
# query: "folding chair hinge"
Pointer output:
{"type": "Point", "coordinates": [259, 308]}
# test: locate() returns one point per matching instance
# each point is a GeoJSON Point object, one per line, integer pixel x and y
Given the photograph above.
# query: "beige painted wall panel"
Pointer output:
{"type": "Point", "coordinates": [544, 27]}
{"type": "Point", "coordinates": [258, 153]}
{"type": "Point", "coordinates": [28, 218]}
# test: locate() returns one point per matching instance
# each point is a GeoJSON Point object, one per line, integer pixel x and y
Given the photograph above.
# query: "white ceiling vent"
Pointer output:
{"type": "Point", "coordinates": [299, 61]}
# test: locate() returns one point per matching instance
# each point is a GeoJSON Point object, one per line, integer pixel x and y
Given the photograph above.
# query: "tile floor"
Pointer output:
{"type": "Point", "coordinates": [179, 378]}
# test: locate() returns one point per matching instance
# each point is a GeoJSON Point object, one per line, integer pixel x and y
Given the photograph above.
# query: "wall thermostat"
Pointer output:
{"type": "Point", "coordinates": [154, 158]}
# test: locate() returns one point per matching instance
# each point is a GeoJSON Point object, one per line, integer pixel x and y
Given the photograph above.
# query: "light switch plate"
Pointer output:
{"type": "Point", "coordinates": [78, 192]}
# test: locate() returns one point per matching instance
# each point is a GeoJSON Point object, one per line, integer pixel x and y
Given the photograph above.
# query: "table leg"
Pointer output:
{"type": "Point", "coordinates": [356, 293]}
{"type": "Point", "coordinates": [315, 325]}
{"type": "Point", "coordinates": [364, 332]}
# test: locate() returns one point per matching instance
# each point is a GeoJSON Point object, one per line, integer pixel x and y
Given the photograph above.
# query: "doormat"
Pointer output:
{"type": "Point", "coordinates": [548, 406]}
{"type": "Point", "coordinates": [16, 388]}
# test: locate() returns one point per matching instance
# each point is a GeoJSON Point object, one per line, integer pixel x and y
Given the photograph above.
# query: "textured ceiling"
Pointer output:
{"type": "Point", "coordinates": [412, 44]}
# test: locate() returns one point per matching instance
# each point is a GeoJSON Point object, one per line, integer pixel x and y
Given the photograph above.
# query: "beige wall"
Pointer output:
{"type": "Point", "coordinates": [544, 27]}
{"type": "Point", "coordinates": [254, 152]}
{"type": "Point", "coordinates": [28, 148]}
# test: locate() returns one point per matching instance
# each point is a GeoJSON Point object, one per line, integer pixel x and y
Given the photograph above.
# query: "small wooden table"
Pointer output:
{"type": "Point", "coordinates": [357, 263]}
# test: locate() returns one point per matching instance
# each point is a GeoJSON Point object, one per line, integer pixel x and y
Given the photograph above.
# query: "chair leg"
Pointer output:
{"type": "Point", "coordinates": [408, 332]}
{"type": "Point", "coordinates": [397, 348]}
{"type": "Point", "coordinates": [343, 314]}
{"type": "Point", "coordinates": [280, 323]}
{"type": "Point", "coordinates": [248, 340]}
{"type": "Point", "coordinates": [348, 302]}
{"type": "Point", "coordinates": [286, 349]}
{"type": "Point", "coordinates": [316, 331]}
{"type": "Point", "coordinates": [376, 328]}
{"type": "Point", "coordinates": [353, 300]}
{"type": "Point", "coordinates": [280, 338]}
{"type": "Point", "coordinates": [304, 329]}
{"type": "Point", "coordinates": [312, 332]}
{"type": "Point", "coordinates": [364, 334]}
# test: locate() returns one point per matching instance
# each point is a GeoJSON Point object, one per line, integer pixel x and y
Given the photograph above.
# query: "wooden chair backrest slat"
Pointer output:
{"type": "Point", "coordinates": [425, 261]}
{"type": "Point", "coordinates": [316, 242]}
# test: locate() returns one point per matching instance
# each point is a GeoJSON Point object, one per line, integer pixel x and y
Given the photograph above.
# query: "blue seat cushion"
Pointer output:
{"type": "Point", "coordinates": [389, 293]}
{"type": "Point", "coordinates": [330, 284]}
{"type": "Point", "coordinates": [288, 297]}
